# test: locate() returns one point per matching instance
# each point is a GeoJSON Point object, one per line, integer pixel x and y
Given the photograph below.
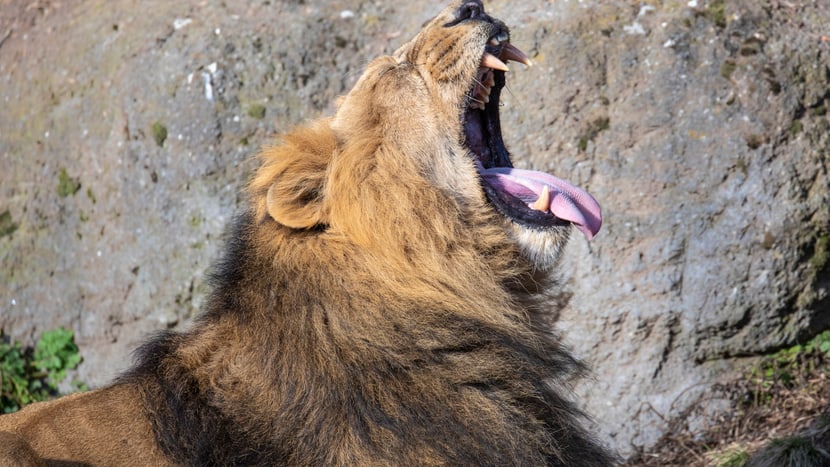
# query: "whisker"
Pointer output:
{"type": "Point", "coordinates": [471, 98]}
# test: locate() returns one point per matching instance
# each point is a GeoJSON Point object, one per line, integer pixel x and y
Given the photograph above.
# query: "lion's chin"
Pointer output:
{"type": "Point", "coordinates": [541, 247]}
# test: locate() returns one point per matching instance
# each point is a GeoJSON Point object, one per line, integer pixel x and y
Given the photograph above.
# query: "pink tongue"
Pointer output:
{"type": "Point", "coordinates": [568, 202]}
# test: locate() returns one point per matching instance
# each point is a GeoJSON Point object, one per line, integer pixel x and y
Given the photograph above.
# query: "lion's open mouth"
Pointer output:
{"type": "Point", "coordinates": [533, 199]}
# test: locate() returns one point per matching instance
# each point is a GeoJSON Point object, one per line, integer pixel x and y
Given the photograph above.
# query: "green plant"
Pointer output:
{"type": "Point", "coordinates": [67, 185]}
{"type": "Point", "coordinates": [787, 367]}
{"type": "Point", "coordinates": [716, 12]}
{"type": "Point", "coordinates": [821, 343]}
{"type": "Point", "coordinates": [30, 375]}
{"type": "Point", "coordinates": [257, 111]}
{"type": "Point", "coordinates": [735, 457]}
{"type": "Point", "coordinates": [7, 226]}
{"type": "Point", "coordinates": [159, 133]}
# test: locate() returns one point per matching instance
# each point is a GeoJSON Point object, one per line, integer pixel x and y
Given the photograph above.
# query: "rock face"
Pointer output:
{"type": "Point", "coordinates": [705, 133]}
{"type": "Point", "coordinates": [127, 130]}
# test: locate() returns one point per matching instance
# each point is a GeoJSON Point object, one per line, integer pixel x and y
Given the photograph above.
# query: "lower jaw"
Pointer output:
{"type": "Point", "coordinates": [516, 210]}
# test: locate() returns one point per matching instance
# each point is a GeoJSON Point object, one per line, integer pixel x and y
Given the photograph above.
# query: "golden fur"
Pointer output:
{"type": "Point", "coordinates": [372, 307]}
{"type": "Point", "coordinates": [103, 427]}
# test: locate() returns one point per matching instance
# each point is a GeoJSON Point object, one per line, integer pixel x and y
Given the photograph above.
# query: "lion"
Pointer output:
{"type": "Point", "coordinates": [382, 298]}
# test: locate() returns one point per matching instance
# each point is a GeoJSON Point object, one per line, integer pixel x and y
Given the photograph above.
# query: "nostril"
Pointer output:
{"type": "Point", "coordinates": [470, 10]}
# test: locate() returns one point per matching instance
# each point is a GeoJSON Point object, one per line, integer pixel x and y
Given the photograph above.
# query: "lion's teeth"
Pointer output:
{"type": "Point", "coordinates": [490, 81]}
{"type": "Point", "coordinates": [543, 202]}
{"type": "Point", "coordinates": [491, 61]}
{"type": "Point", "coordinates": [510, 52]}
{"type": "Point", "coordinates": [482, 95]}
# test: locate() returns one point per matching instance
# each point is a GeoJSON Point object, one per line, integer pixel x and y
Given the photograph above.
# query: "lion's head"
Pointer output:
{"type": "Point", "coordinates": [416, 145]}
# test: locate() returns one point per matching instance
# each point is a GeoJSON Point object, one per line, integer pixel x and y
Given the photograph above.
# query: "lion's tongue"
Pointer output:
{"type": "Point", "coordinates": [567, 201]}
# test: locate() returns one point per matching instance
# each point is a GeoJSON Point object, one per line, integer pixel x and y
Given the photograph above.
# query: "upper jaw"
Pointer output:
{"type": "Point", "coordinates": [481, 113]}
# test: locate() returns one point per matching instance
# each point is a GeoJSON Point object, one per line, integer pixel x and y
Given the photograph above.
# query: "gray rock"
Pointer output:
{"type": "Point", "coordinates": [703, 131]}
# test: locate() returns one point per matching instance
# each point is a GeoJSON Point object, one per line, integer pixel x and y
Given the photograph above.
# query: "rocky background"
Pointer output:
{"type": "Point", "coordinates": [127, 129]}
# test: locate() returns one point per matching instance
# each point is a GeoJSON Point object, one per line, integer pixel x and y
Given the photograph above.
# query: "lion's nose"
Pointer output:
{"type": "Point", "coordinates": [471, 10]}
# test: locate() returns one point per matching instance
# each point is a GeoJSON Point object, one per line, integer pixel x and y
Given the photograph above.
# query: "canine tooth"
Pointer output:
{"type": "Point", "coordinates": [543, 203]}
{"type": "Point", "coordinates": [510, 52]}
{"type": "Point", "coordinates": [491, 61]}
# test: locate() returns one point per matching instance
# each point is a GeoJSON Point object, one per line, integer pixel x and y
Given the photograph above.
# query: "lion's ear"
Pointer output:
{"type": "Point", "coordinates": [293, 176]}
{"type": "Point", "coordinates": [296, 202]}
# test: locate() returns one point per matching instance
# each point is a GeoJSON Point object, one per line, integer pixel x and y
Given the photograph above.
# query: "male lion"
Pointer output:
{"type": "Point", "coordinates": [381, 300]}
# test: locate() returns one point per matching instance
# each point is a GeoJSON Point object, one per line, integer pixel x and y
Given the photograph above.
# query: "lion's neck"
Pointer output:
{"type": "Point", "coordinates": [327, 323]}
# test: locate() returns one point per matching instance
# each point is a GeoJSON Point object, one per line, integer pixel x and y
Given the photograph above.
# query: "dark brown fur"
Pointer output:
{"type": "Point", "coordinates": [371, 308]}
